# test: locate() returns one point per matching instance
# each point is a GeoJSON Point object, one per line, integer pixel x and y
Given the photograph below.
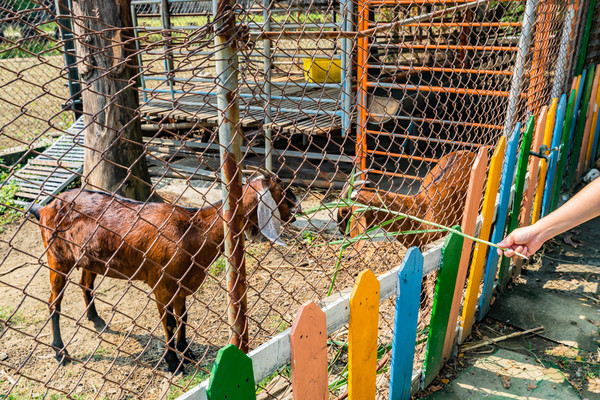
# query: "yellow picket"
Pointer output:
{"type": "Point", "coordinates": [362, 337]}
{"type": "Point", "coordinates": [539, 193]}
{"type": "Point", "coordinates": [489, 203]}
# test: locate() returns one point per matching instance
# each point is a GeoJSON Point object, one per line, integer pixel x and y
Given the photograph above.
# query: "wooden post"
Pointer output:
{"type": "Point", "coordinates": [442, 301]}
{"type": "Point", "coordinates": [362, 336]}
{"type": "Point", "coordinates": [308, 346]}
{"type": "Point", "coordinates": [552, 163]}
{"type": "Point", "coordinates": [513, 219]}
{"type": "Point", "coordinates": [581, 121]}
{"type": "Point", "coordinates": [114, 154]}
{"type": "Point", "coordinates": [588, 135]}
{"type": "Point", "coordinates": [563, 151]}
{"type": "Point", "coordinates": [232, 376]}
{"type": "Point", "coordinates": [544, 163]}
{"type": "Point", "coordinates": [501, 215]}
{"type": "Point", "coordinates": [408, 298]}
{"type": "Point", "coordinates": [469, 221]}
{"type": "Point", "coordinates": [487, 211]}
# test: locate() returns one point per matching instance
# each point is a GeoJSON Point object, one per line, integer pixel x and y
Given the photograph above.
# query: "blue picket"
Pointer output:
{"type": "Point", "coordinates": [508, 172]}
{"type": "Point", "coordinates": [405, 324]}
{"type": "Point", "coordinates": [553, 159]}
{"type": "Point", "coordinates": [596, 139]}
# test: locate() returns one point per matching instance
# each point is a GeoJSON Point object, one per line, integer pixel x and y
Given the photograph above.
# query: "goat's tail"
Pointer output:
{"type": "Point", "coordinates": [35, 210]}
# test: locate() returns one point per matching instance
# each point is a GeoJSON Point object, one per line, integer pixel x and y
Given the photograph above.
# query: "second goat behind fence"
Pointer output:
{"type": "Point", "coordinates": [441, 200]}
{"type": "Point", "coordinates": [167, 246]}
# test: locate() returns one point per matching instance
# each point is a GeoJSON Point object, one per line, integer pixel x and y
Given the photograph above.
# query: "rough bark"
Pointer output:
{"type": "Point", "coordinates": [114, 159]}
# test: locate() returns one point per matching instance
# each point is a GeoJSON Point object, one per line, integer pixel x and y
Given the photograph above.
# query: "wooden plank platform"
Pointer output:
{"type": "Point", "coordinates": [288, 113]}
{"type": "Point", "coordinates": [50, 172]}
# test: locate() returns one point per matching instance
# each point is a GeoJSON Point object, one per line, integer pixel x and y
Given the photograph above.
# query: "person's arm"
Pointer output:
{"type": "Point", "coordinates": [584, 206]}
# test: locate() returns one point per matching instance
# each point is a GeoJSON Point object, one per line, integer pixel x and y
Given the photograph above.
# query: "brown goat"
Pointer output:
{"type": "Point", "coordinates": [168, 247]}
{"type": "Point", "coordinates": [441, 200]}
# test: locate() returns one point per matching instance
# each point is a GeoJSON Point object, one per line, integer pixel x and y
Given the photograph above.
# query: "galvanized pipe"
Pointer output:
{"type": "Point", "coordinates": [267, 88]}
{"type": "Point", "coordinates": [517, 79]}
{"type": "Point", "coordinates": [230, 143]}
{"type": "Point", "coordinates": [562, 61]}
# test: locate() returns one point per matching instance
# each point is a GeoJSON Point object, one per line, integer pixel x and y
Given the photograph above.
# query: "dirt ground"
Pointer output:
{"type": "Point", "coordinates": [32, 93]}
{"type": "Point", "coordinates": [125, 361]}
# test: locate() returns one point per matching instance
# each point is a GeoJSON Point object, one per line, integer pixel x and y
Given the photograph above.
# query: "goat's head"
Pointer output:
{"type": "Point", "coordinates": [268, 203]}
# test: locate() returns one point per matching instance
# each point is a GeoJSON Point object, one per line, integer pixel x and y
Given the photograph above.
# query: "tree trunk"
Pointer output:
{"type": "Point", "coordinates": [114, 155]}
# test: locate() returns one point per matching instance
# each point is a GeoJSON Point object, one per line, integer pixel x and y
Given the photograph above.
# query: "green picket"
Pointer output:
{"type": "Point", "coordinates": [581, 119]}
{"type": "Point", "coordinates": [232, 376]}
{"type": "Point", "coordinates": [563, 152]}
{"type": "Point", "coordinates": [513, 217]}
{"type": "Point", "coordinates": [442, 303]}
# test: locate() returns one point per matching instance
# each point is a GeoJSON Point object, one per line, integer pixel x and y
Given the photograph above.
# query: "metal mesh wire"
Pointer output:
{"type": "Point", "coordinates": [327, 91]}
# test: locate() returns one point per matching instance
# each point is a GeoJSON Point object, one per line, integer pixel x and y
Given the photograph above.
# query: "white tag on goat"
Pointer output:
{"type": "Point", "coordinates": [269, 219]}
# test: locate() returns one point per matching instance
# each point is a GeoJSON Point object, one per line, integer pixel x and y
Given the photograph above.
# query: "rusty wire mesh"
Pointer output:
{"type": "Point", "coordinates": [318, 103]}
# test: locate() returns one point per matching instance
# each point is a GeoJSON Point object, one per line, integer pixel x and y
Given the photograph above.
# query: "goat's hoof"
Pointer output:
{"type": "Point", "coordinates": [62, 357]}
{"type": "Point", "coordinates": [188, 357]}
{"type": "Point", "coordinates": [99, 324]}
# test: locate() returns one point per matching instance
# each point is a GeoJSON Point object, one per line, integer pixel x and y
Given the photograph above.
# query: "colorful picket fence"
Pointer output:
{"type": "Point", "coordinates": [556, 147]}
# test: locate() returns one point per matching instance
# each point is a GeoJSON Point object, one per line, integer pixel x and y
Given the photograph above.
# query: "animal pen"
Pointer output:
{"type": "Point", "coordinates": [300, 174]}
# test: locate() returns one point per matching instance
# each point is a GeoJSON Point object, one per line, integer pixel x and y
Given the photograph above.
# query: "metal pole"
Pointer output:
{"type": "Point", "coordinates": [346, 64]}
{"type": "Point", "coordinates": [63, 8]}
{"type": "Point", "coordinates": [139, 54]}
{"type": "Point", "coordinates": [165, 20]}
{"type": "Point", "coordinates": [230, 144]}
{"type": "Point", "coordinates": [562, 61]}
{"type": "Point", "coordinates": [517, 80]}
{"type": "Point", "coordinates": [267, 88]}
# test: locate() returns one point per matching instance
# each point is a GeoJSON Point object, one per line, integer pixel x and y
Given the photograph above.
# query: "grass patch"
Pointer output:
{"type": "Point", "coordinates": [186, 383]}
{"type": "Point", "coordinates": [218, 267]}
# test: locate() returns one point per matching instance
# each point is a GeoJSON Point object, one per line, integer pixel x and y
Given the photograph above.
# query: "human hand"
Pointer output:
{"type": "Point", "coordinates": [526, 240]}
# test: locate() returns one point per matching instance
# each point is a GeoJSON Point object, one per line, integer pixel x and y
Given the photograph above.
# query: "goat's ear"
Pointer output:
{"type": "Point", "coordinates": [269, 218]}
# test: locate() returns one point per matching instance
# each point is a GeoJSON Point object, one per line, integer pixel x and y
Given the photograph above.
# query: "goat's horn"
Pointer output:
{"type": "Point", "coordinates": [361, 182]}
{"type": "Point", "coordinates": [252, 169]}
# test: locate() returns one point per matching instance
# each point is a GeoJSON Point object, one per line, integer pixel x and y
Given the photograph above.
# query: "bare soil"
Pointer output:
{"type": "Point", "coordinates": [32, 92]}
{"type": "Point", "coordinates": [125, 360]}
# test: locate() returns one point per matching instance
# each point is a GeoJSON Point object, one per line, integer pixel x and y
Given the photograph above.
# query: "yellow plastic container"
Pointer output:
{"type": "Point", "coordinates": [322, 70]}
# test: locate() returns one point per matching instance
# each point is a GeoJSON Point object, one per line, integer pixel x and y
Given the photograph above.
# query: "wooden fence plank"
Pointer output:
{"type": "Point", "coordinates": [580, 125]}
{"type": "Point", "coordinates": [533, 166]}
{"type": "Point", "coordinates": [442, 301]}
{"type": "Point", "coordinates": [232, 377]}
{"type": "Point", "coordinates": [579, 83]}
{"type": "Point", "coordinates": [362, 337]}
{"type": "Point", "coordinates": [588, 135]}
{"type": "Point", "coordinates": [405, 324]}
{"type": "Point", "coordinates": [501, 216]}
{"type": "Point", "coordinates": [487, 212]}
{"type": "Point", "coordinates": [564, 150]}
{"type": "Point", "coordinates": [595, 128]}
{"type": "Point", "coordinates": [553, 159]}
{"type": "Point", "coordinates": [513, 218]}
{"type": "Point", "coordinates": [308, 346]}
{"type": "Point", "coordinates": [541, 185]}
{"type": "Point", "coordinates": [469, 221]}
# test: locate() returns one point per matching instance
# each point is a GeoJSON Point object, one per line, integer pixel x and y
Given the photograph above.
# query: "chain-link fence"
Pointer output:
{"type": "Point", "coordinates": [325, 107]}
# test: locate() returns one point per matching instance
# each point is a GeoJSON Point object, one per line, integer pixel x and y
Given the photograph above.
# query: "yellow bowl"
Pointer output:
{"type": "Point", "coordinates": [322, 70]}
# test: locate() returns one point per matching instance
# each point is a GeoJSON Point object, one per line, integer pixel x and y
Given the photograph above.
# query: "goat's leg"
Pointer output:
{"type": "Point", "coordinates": [87, 283]}
{"type": "Point", "coordinates": [182, 344]}
{"type": "Point", "coordinates": [169, 324]}
{"type": "Point", "coordinates": [58, 281]}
